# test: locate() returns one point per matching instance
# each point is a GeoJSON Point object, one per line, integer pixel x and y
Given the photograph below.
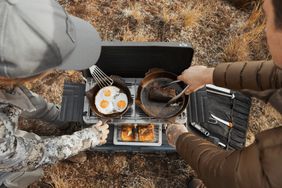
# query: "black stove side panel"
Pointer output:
{"type": "Point", "coordinates": [134, 59]}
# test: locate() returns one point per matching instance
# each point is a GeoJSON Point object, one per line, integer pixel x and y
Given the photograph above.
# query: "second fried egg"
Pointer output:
{"type": "Point", "coordinates": [120, 102]}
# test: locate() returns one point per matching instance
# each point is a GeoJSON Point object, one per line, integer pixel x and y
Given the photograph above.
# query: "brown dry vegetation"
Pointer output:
{"type": "Point", "coordinates": [247, 43]}
{"type": "Point", "coordinates": [217, 31]}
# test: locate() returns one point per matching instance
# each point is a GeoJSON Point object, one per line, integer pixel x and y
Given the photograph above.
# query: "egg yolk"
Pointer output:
{"type": "Point", "coordinates": [121, 104]}
{"type": "Point", "coordinates": [104, 104]}
{"type": "Point", "coordinates": [107, 92]}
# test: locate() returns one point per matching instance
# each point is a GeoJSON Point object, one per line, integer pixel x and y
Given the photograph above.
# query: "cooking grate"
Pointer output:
{"type": "Point", "coordinates": [134, 115]}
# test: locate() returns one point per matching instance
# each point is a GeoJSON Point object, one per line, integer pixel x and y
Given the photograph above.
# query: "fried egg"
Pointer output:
{"type": "Point", "coordinates": [120, 102]}
{"type": "Point", "coordinates": [108, 92]}
{"type": "Point", "coordinates": [104, 106]}
{"type": "Point", "coordinates": [110, 100]}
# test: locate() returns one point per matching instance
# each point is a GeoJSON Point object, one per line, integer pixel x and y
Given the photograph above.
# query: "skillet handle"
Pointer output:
{"type": "Point", "coordinates": [154, 70]}
{"type": "Point", "coordinates": [138, 102]}
{"type": "Point", "coordinates": [104, 120]}
{"type": "Point", "coordinates": [118, 79]}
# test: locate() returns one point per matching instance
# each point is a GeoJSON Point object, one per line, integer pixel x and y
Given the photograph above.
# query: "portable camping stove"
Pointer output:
{"type": "Point", "coordinates": [134, 117]}
{"type": "Point", "coordinates": [129, 60]}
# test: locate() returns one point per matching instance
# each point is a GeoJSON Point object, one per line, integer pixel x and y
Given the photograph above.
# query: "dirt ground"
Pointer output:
{"type": "Point", "coordinates": [217, 31]}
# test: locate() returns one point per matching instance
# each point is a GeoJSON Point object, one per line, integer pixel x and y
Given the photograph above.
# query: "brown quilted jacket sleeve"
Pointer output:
{"type": "Point", "coordinates": [260, 79]}
{"type": "Point", "coordinates": [258, 165]}
{"type": "Point", "coordinates": [253, 75]}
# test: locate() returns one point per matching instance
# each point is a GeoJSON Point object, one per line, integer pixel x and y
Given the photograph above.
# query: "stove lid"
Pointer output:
{"type": "Point", "coordinates": [134, 59]}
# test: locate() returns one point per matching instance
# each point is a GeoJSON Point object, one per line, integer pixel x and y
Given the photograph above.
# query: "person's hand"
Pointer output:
{"type": "Point", "coordinates": [103, 130]}
{"type": "Point", "coordinates": [196, 77]}
{"type": "Point", "coordinates": [173, 131]}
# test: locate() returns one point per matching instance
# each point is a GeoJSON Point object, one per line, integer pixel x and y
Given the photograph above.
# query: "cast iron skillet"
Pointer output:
{"type": "Point", "coordinates": [156, 109]}
{"type": "Point", "coordinates": [118, 82]}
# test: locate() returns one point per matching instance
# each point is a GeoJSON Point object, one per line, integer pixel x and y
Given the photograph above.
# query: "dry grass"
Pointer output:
{"type": "Point", "coordinates": [193, 13]}
{"type": "Point", "coordinates": [138, 35]}
{"type": "Point", "coordinates": [169, 16]}
{"type": "Point", "coordinates": [134, 10]}
{"type": "Point", "coordinates": [242, 46]}
{"type": "Point", "coordinates": [119, 170]}
{"type": "Point", "coordinates": [57, 177]}
{"type": "Point", "coordinates": [191, 17]}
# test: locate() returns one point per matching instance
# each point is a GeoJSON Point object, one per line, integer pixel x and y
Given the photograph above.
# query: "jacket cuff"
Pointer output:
{"type": "Point", "coordinates": [179, 141]}
{"type": "Point", "coordinates": [219, 74]}
{"type": "Point", "coordinates": [229, 75]}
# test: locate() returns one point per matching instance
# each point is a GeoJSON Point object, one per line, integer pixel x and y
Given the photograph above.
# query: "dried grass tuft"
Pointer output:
{"type": "Point", "coordinates": [57, 178]}
{"type": "Point", "coordinates": [168, 16]}
{"type": "Point", "coordinates": [137, 36]}
{"type": "Point", "coordinates": [237, 49]}
{"type": "Point", "coordinates": [191, 16]}
{"type": "Point", "coordinates": [134, 10]}
{"type": "Point", "coordinates": [250, 37]}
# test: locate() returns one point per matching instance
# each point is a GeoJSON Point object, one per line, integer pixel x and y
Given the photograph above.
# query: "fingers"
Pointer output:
{"type": "Point", "coordinates": [189, 91]}
{"type": "Point", "coordinates": [180, 77]}
{"type": "Point", "coordinates": [104, 130]}
{"type": "Point", "coordinates": [104, 127]}
{"type": "Point", "coordinates": [103, 142]}
{"type": "Point", "coordinates": [104, 137]}
{"type": "Point", "coordinates": [183, 78]}
{"type": "Point", "coordinates": [174, 131]}
{"type": "Point", "coordinates": [169, 139]}
{"type": "Point", "coordinates": [99, 123]}
{"type": "Point", "coordinates": [196, 77]}
{"type": "Point", "coordinates": [169, 127]}
{"type": "Point", "coordinates": [170, 131]}
{"type": "Point", "coordinates": [193, 89]}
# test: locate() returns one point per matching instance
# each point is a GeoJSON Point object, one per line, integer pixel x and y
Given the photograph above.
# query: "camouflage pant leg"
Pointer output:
{"type": "Point", "coordinates": [22, 179]}
{"type": "Point", "coordinates": [45, 111]}
{"type": "Point", "coordinates": [3, 176]}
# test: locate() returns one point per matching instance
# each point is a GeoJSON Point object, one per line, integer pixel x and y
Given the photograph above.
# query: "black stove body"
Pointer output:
{"type": "Point", "coordinates": [131, 60]}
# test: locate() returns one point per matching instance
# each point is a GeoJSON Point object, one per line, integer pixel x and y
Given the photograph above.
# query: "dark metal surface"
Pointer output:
{"type": "Point", "coordinates": [72, 102]}
{"type": "Point", "coordinates": [158, 77]}
{"type": "Point", "coordinates": [134, 59]}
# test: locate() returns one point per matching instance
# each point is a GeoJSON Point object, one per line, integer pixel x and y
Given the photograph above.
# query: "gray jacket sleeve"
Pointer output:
{"type": "Point", "coordinates": [43, 110]}
{"type": "Point", "coordinates": [21, 153]}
